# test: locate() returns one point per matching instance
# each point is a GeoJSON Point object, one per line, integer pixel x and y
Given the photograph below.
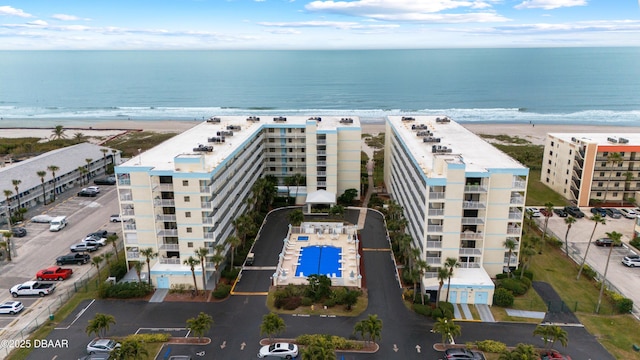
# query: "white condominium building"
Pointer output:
{"type": "Point", "coordinates": [184, 193]}
{"type": "Point", "coordinates": [584, 167]}
{"type": "Point", "coordinates": [462, 197]}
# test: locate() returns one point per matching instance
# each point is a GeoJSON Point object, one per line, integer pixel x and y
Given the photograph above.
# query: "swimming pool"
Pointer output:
{"type": "Point", "coordinates": [303, 238]}
{"type": "Point", "coordinates": [322, 260]}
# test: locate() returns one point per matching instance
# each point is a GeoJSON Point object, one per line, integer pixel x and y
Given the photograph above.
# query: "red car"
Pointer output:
{"type": "Point", "coordinates": [553, 355]}
{"type": "Point", "coordinates": [545, 212]}
{"type": "Point", "coordinates": [54, 273]}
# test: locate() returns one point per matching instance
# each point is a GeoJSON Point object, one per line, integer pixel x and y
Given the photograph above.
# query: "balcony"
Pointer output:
{"type": "Point", "coordinates": [168, 232]}
{"type": "Point", "coordinates": [321, 163]}
{"type": "Point", "coordinates": [471, 221]}
{"type": "Point", "coordinates": [128, 226]}
{"type": "Point", "coordinates": [434, 228]}
{"type": "Point", "coordinates": [513, 262]}
{"type": "Point", "coordinates": [171, 261]}
{"type": "Point", "coordinates": [513, 230]}
{"type": "Point", "coordinates": [206, 204]}
{"type": "Point", "coordinates": [517, 200]}
{"type": "Point", "coordinates": [133, 255]}
{"type": "Point", "coordinates": [469, 265]}
{"type": "Point", "coordinates": [124, 182]}
{"type": "Point", "coordinates": [436, 212]}
{"type": "Point", "coordinates": [436, 195]}
{"type": "Point", "coordinates": [162, 187]}
{"type": "Point", "coordinates": [434, 260]}
{"type": "Point", "coordinates": [475, 189]}
{"type": "Point", "coordinates": [434, 244]}
{"type": "Point", "coordinates": [470, 251]}
{"type": "Point", "coordinates": [207, 220]}
{"type": "Point", "coordinates": [164, 202]}
{"type": "Point", "coordinates": [205, 189]}
{"type": "Point", "coordinates": [321, 141]}
{"type": "Point", "coordinates": [209, 235]}
{"type": "Point", "coordinates": [519, 184]}
{"type": "Point", "coordinates": [515, 215]}
{"type": "Point", "coordinates": [473, 205]}
{"type": "Point", "coordinates": [126, 197]}
{"type": "Point", "coordinates": [170, 247]}
{"type": "Point", "coordinates": [166, 217]}
{"type": "Point", "coordinates": [322, 183]}
{"type": "Point", "coordinates": [128, 212]}
{"type": "Point", "coordinates": [470, 235]}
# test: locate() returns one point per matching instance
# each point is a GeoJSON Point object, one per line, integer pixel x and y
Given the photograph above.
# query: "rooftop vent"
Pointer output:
{"type": "Point", "coordinates": [216, 139]}
{"type": "Point", "coordinates": [224, 133]}
{"type": "Point", "coordinates": [408, 118]}
{"type": "Point", "coordinates": [437, 149]}
{"type": "Point", "coordinates": [213, 120]}
{"type": "Point", "coordinates": [424, 133]}
{"type": "Point", "coordinates": [316, 118]}
{"type": "Point", "coordinates": [430, 139]}
{"type": "Point", "coordinates": [346, 121]}
{"type": "Point", "coordinates": [233, 127]}
{"type": "Point", "coordinates": [203, 148]}
{"type": "Point", "coordinates": [623, 140]}
{"type": "Point", "coordinates": [612, 140]}
{"type": "Point", "coordinates": [280, 119]}
{"type": "Point", "coordinates": [420, 127]}
{"type": "Point", "coordinates": [253, 119]}
{"type": "Point", "coordinates": [574, 139]}
{"type": "Point", "coordinates": [443, 120]}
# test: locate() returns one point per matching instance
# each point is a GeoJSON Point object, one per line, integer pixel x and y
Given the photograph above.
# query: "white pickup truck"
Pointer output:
{"type": "Point", "coordinates": [32, 288]}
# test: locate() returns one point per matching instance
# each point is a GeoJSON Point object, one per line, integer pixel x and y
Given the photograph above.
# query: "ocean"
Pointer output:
{"type": "Point", "coordinates": [594, 86]}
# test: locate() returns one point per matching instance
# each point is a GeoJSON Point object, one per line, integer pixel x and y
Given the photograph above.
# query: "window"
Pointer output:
{"type": "Point", "coordinates": [570, 152]}
{"type": "Point", "coordinates": [187, 199]}
{"type": "Point", "coordinates": [304, 149]}
{"type": "Point", "coordinates": [600, 184]}
{"type": "Point", "coordinates": [290, 140]}
{"type": "Point", "coordinates": [302, 131]}
{"type": "Point", "coordinates": [552, 143]}
{"type": "Point", "coordinates": [566, 181]}
{"type": "Point", "coordinates": [272, 159]}
{"type": "Point", "coordinates": [602, 173]}
{"type": "Point", "coordinates": [185, 182]}
{"type": "Point", "coordinates": [604, 163]}
{"type": "Point", "coordinates": [606, 153]}
{"type": "Point", "coordinates": [187, 214]}
{"type": "Point", "coordinates": [289, 130]}
{"type": "Point", "coordinates": [567, 171]}
{"type": "Point", "coordinates": [569, 162]}
{"type": "Point", "coordinates": [618, 174]}
{"type": "Point", "coordinates": [189, 229]}
{"type": "Point", "coordinates": [290, 150]}
{"type": "Point", "coordinates": [190, 244]}
{"type": "Point", "coordinates": [616, 184]}
{"type": "Point", "coordinates": [615, 194]}
{"type": "Point", "coordinates": [549, 162]}
{"type": "Point", "coordinates": [272, 169]}
{"type": "Point", "coordinates": [547, 179]}
{"type": "Point", "coordinates": [548, 171]}
{"type": "Point", "coordinates": [598, 194]}
{"type": "Point", "coordinates": [551, 152]}
{"type": "Point", "coordinates": [270, 130]}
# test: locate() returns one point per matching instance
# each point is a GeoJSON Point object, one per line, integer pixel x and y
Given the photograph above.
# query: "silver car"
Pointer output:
{"type": "Point", "coordinates": [628, 213]}
{"type": "Point", "coordinates": [281, 350]}
{"type": "Point", "coordinates": [98, 345]}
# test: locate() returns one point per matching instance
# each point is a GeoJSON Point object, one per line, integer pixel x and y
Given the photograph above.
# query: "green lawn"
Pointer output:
{"type": "Point", "coordinates": [539, 194]}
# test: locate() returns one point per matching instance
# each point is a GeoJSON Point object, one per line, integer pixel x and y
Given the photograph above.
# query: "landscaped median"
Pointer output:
{"type": "Point", "coordinates": [336, 343]}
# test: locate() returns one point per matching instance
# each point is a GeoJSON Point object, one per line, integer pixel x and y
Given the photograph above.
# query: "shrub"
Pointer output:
{"type": "Point", "coordinates": [329, 303]}
{"type": "Point", "coordinates": [527, 273]}
{"type": "Point", "coordinates": [331, 341]}
{"type": "Point", "coordinates": [635, 243]}
{"type": "Point", "coordinates": [125, 290]}
{"type": "Point", "coordinates": [231, 273]}
{"type": "Point", "coordinates": [338, 295]}
{"type": "Point", "coordinates": [149, 338]}
{"type": "Point", "coordinates": [589, 272]}
{"type": "Point", "coordinates": [178, 288]}
{"type": "Point", "coordinates": [118, 269]}
{"type": "Point", "coordinates": [292, 303]}
{"type": "Point", "coordinates": [407, 295]}
{"type": "Point", "coordinates": [622, 304]}
{"type": "Point", "coordinates": [502, 276]}
{"type": "Point", "coordinates": [437, 313]}
{"type": "Point", "coordinates": [516, 286]}
{"type": "Point", "coordinates": [222, 291]}
{"type": "Point", "coordinates": [491, 346]}
{"type": "Point", "coordinates": [447, 309]}
{"type": "Point", "coordinates": [503, 297]}
{"type": "Point", "coordinates": [306, 301]}
{"type": "Point", "coordinates": [422, 309]}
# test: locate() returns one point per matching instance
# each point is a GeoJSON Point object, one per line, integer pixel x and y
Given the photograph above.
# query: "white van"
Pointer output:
{"type": "Point", "coordinates": [58, 223]}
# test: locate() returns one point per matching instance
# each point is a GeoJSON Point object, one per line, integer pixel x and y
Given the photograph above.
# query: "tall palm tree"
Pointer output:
{"type": "Point", "coordinates": [100, 324]}
{"type": "Point", "coordinates": [58, 133]}
{"type": "Point", "coordinates": [7, 243]}
{"type": "Point", "coordinates": [450, 264]}
{"type": "Point", "coordinates": [271, 325]}
{"type": "Point", "coordinates": [82, 170]}
{"type": "Point", "coordinates": [614, 158]}
{"type": "Point", "coordinates": [149, 254]}
{"type": "Point", "coordinates": [200, 324]}
{"type": "Point", "coordinates": [443, 274]}
{"type": "Point", "coordinates": [628, 176]}
{"type": "Point", "coordinates": [510, 245]}
{"type": "Point", "coordinates": [53, 169]}
{"type": "Point", "coordinates": [42, 174]}
{"type": "Point", "coordinates": [113, 240]}
{"type": "Point", "coordinates": [107, 258]}
{"type": "Point", "coordinates": [138, 265]}
{"type": "Point", "coordinates": [616, 237]}
{"type": "Point", "coordinates": [521, 352]}
{"type": "Point", "coordinates": [202, 253]}
{"type": "Point", "coordinates": [104, 158]}
{"type": "Point", "coordinates": [569, 220]}
{"type": "Point", "coordinates": [548, 213]}
{"type": "Point", "coordinates": [192, 262]}
{"type": "Point", "coordinates": [447, 328]}
{"type": "Point", "coordinates": [551, 334]}
{"type": "Point", "coordinates": [8, 194]}
{"type": "Point", "coordinates": [16, 184]}
{"type": "Point", "coordinates": [597, 219]}
{"type": "Point", "coordinates": [130, 349]}
{"type": "Point", "coordinates": [370, 328]}
{"type": "Point", "coordinates": [421, 267]}
{"type": "Point", "coordinates": [233, 242]}
{"type": "Point", "coordinates": [97, 261]}
{"type": "Point", "coordinates": [526, 253]}
{"type": "Point", "coordinates": [88, 161]}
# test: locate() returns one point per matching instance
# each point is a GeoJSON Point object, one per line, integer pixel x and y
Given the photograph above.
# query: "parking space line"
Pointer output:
{"type": "Point", "coordinates": [256, 293]}
{"type": "Point", "coordinates": [77, 316]}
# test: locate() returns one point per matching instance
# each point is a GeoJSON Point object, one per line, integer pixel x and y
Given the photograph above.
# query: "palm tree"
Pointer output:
{"type": "Point", "coordinates": [16, 183]}
{"type": "Point", "coordinates": [613, 158]}
{"type": "Point", "coordinates": [233, 242]}
{"type": "Point", "coordinates": [526, 253]}
{"type": "Point", "coordinates": [7, 243]}
{"type": "Point", "coordinates": [370, 328]}
{"type": "Point", "coordinates": [202, 253]}
{"type": "Point", "coordinates": [88, 161]}
{"type": "Point", "coordinates": [138, 265]}
{"type": "Point", "coordinates": [192, 262]}
{"type": "Point", "coordinates": [58, 133]}
{"type": "Point", "coordinates": [318, 351]}
{"type": "Point", "coordinates": [113, 240]}
{"type": "Point", "coordinates": [521, 352]}
{"type": "Point", "coordinates": [551, 334]}
{"type": "Point", "coordinates": [597, 219]}
{"type": "Point", "coordinates": [443, 274]}
{"type": "Point", "coordinates": [96, 261]}
{"type": "Point", "coordinates": [100, 324]}
{"type": "Point", "coordinates": [510, 245]}
{"type": "Point", "coordinates": [200, 324]}
{"type": "Point", "coordinates": [131, 349]}
{"type": "Point", "coordinates": [568, 220]}
{"type": "Point", "coordinates": [272, 324]}
{"type": "Point", "coordinates": [421, 267]}
{"type": "Point", "coordinates": [628, 176]}
{"type": "Point", "coordinates": [8, 194]}
{"type": "Point", "coordinates": [548, 213]}
{"type": "Point", "coordinates": [42, 174]}
{"type": "Point", "coordinates": [104, 158]}
{"type": "Point", "coordinates": [79, 137]}
{"type": "Point", "coordinates": [296, 217]}
{"type": "Point", "coordinates": [616, 237]}
{"type": "Point", "coordinates": [53, 169]}
{"type": "Point", "coordinates": [82, 170]}
{"type": "Point", "coordinates": [450, 264]}
{"type": "Point", "coordinates": [149, 254]}
{"type": "Point", "coordinates": [447, 329]}
{"type": "Point", "coordinates": [107, 258]}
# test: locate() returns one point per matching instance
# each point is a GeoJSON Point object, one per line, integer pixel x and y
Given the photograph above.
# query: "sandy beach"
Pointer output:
{"type": "Point", "coordinates": [105, 129]}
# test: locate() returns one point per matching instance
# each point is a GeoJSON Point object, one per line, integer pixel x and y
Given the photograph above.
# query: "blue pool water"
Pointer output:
{"type": "Point", "coordinates": [322, 260]}
{"type": "Point", "coordinates": [303, 238]}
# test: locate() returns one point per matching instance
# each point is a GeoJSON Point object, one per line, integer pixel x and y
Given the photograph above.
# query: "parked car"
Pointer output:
{"type": "Point", "coordinates": [606, 242]}
{"type": "Point", "coordinates": [560, 212]}
{"type": "Point", "coordinates": [87, 193]}
{"type": "Point", "coordinates": [534, 212]}
{"type": "Point", "coordinates": [93, 188]}
{"type": "Point", "coordinates": [574, 211]}
{"type": "Point", "coordinates": [44, 219]}
{"type": "Point", "coordinates": [282, 350]}
{"type": "Point", "coordinates": [463, 354]}
{"type": "Point", "coordinates": [95, 241]}
{"type": "Point", "coordinates": [110, 180]}
{"type": "Point", "coordinates": [180, 357]}
{"type": "Point", "coordinates": [19, 231]}
{"type": "Point", "coordinates": [600, 211]}
{"type": "Point", "coordinates": [115, 218]}
{"type": "Point", "coordinates": [545, 212]}
{"type": "Point", "coordinates": [553, 355]}
{"type": "Point", "coordinates": [628, 213]}
{"type": "Point", "coordinates": [58, 223]}
{"type": "Point", "coordinates": [631, 260]}
{"type": "Point", "coordinates": [99, 345]}
{"type": "Point", "coordinates": [101, 233]}
{"type": "Point", "coordinates": [32, 288]}
{"type": "Point", "coordinates": [11, 307]}
{"type": "Point", "coordinates": [614, 213]}
{"type": "Point", "coordinates": [73, 258]}
{"type": "Point", "coordinates": [54, 273]}
{"type": "Point", "coordinates": [82, 247]}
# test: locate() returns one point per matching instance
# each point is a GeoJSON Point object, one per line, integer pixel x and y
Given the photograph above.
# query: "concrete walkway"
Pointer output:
{"type": "Point", "coordinates": [456, 312]}
{"type": "Point", "coordinates": [485, 313]}
{"type": "Point", "coordinates": [466, 311]}
{"type": "Point", "coordinates": [526, 314]}
{"type": "Point", "coordinates": [159, 296]}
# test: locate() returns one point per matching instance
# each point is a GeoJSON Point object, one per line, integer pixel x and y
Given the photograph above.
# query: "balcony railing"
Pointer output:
{"type": "Point", "coordinates": [321, 163]}
{"type": "Point", "coordinates": [322, 183]}
{"type": "Point", "coordinates": [172, 261]}
{"type": "Point", "coordinates": [166, 217]}
{"type": "Point", "coordinates": [470, 265]}
{"type": "Point", "coordinates": [170, 247]}
{"type": "Point", "coordinates": [162, 187]}
{"type": "Point", "coordinates": [206, 204]}
{"type": "Point", "coordinates": [207, 220]}
{"type": "Point", "coordinates": [434, 244]}
{"type": "Point", "coordinates": [126, 197]}
{"type": "Point", "coordinates": [434, 228]}
{"type": "Point", "coordinates": [470, 235]}
{"type": "Point", "coordinates": [129, 226]}
{"type": "Point", "coordinates": [168, 232]}
{"type": "Point", "coordinates": [519, 184]}
{"type": "Point", "coordinates": [124, 182]}
{"type": "Point", "coordinates": [475, 189]}
{"type": "Point", "coordinates": [128, 212]}
{"type": "Point", "coordinates": [471, 221]}
{"type": "Point", "coordinates": [473, 205]}
{"type": "Point", "coordinates": [470, 251]}
{"type": "Point", "coordinates": [513, 230]}
{"type": "Point", "coordinates": [514, 260]}
{"type": "Point", "coordinates": [133, 254]}
{"type": "Point", "coordinates": [209, 235]}
{"type": "Point", "coordinates": [436, 195]}
{"type": "Point", "coordinates": [515, 215]}
{"type": "Point", "coordinates": [434, 260]}
{"type": "Point", "coordinates": [164, 202]}
{"type": "Point", "coordinates": [516, 200]}
{"type": "Point", "coordinates": [205, 189]}
{"type": "Point", "coordinates": [436, 212]}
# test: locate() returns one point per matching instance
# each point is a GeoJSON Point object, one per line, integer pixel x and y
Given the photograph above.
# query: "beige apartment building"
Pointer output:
{"type": "Point", "coordinates": [462, 197]}
{"type": "Point", "coordinates": [184, 193]}
{"type": "Point", "coordinates": [590, 168]}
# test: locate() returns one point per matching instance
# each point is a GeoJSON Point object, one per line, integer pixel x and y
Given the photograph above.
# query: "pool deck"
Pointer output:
{"type": "Point", "coordinates": [320, 234]}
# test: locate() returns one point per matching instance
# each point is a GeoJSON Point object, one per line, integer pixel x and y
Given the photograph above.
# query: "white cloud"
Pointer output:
{"type": "Point", "coordinates": [11, 11]}
{"type": "Point", "coordinates": [550, 4]}
{"type": "Point", "coordinates": [411, 11]}
{"type": "Point", "coordinates": [327, 24]}
{"type": "Point", "coordinates": [631, 26]}
{"type": "Point", "coordinates": [38, 23]}
{"type": "Point", "coordinates": [65, 17]}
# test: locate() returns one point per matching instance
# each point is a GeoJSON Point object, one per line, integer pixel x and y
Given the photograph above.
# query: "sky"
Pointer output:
{"type": "Point", "coordinates": [318, 24]}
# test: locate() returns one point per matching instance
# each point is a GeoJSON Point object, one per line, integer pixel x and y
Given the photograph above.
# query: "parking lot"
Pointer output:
{"type": "Point", "coordinates": [623, 278]}
{"type": "Point", "coordinates": [39, 249]}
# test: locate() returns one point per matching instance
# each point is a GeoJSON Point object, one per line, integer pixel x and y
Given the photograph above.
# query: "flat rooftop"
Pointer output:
{"type": "Point", "coordinates": [602, 138]}
{"type": "Point", "coordinates": [162, 156]}
{"type": "Point", "coordinates": [465, 146]}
